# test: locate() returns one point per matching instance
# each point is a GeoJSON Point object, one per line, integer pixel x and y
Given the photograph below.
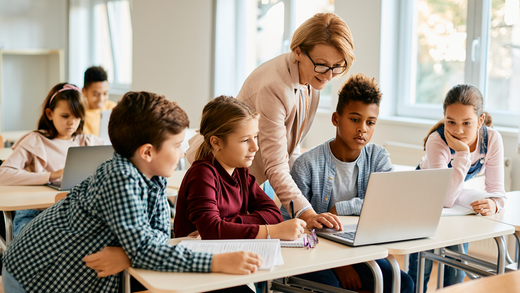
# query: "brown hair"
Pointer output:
{"type": "Point", "coordinates": [73, 98]}
{"type": "Point", "coordinates": [143, 117]}
{"type": "Point", "coordinates": [467, 95]}
{"type": "Point", "coordinates": [358, 87]}
{"type": "Point", "coordinates": [220, 117]}
{"type": "Point", "coordinates": [328, 29]}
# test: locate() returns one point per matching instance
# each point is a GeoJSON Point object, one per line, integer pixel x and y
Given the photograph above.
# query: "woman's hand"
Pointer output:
{"type": "Point", "coordinates": [288, 230]}
{"type": "Point", "coordinates": [317, 221]}
{"type": "Point", "coordinates": [237, 263]}
{"type": "Point", "coordinates": [485, 207]}
{"type": "Point", "coordinates": [348, 278]}
{"type": "Point", "coordinates": [454, 143]}
{"type": "Point", "coordinates": [109, 261]}
{"type": "Point", "coordinates": [55, 175]}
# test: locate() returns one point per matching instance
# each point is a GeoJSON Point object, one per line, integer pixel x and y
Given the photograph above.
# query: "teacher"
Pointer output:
{"type": "Point", "coordinates": [286, 92]}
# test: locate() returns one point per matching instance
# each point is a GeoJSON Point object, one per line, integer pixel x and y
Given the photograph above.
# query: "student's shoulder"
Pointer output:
{"type": "Point", "coordinates": [202, 168]}
{"type": "Point", "coordinates": [33, 142]}
{"type": "Point", "coordinates": [89, 139]}
{"type": "Point", "coordinates": [318, 152]}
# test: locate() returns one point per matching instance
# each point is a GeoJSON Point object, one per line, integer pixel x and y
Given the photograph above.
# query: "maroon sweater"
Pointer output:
{"type": "Point", "coordinates": [221, 206]}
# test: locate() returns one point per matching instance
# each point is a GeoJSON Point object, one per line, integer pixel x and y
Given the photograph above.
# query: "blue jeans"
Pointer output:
{"type": "Point", "coordinates": [451, 275]}
{"type": "Point", "coordinates": [22, 218]}
{"type": "Point", "coordinates": [367, 279]}
{"type": "Point", "coordinates": [11, 285]}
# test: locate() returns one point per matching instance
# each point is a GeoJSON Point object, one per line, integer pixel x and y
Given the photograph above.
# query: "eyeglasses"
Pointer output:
{"type": "Point", "coordinates": [320, 68]}
{"type": "Point", "coordinates": [310, 240]}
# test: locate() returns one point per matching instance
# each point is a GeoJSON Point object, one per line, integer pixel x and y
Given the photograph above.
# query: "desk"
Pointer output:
{"type": "Point", "coordinates": [510, 215]}
{"type": "Point", "coordinates": [5, 153]}
{"type": "Point", "coordinates": [14, 198]}
{"type": "Point", "coordinates": [451, 231]}
{"type": "Point", "coordinates": [326, 255]}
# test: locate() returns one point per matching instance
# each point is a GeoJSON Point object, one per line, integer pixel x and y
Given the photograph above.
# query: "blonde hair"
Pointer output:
{"type": "Point", "coordinates": [220, 117]}
{"type": "Point", "coordinates": [467, 95]}
{"type": "Point", "coordinates": [328, 29]}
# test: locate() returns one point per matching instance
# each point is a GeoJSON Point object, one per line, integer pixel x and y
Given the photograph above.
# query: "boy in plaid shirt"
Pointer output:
{"type": "Point", "coordinates": [117, 217]}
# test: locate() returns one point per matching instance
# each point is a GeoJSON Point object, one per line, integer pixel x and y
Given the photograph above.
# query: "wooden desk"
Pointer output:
{"type": "Point", "coordinates": [326, 255]}
{"type": "Point", "coordinates": [5, 153]}
{"type": "Point", "coordinates": [451, 231]}
{"type": "Point", "coordinates": [14, 198]}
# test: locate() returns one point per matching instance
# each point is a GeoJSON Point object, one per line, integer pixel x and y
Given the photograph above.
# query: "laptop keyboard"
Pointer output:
{"type": "Point", "coordinates": [346, 235]}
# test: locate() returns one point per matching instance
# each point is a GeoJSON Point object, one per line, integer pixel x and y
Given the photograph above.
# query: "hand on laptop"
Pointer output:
{"type": "Point", "coordinates": [319, 221]}
{"type": "Point", "coordinates": [55, 175]}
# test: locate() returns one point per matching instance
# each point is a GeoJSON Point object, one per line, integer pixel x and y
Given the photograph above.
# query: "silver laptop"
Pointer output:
{"type": "Point", "coordinates": [399, 205]}
{"type": "Point", "coordinates": [81, 162]}
{"type": "Point", "coordinates": [103, 126]}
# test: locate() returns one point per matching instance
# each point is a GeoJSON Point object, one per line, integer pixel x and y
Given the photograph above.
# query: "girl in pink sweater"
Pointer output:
{"type": "Point", "coordinates": [464, 140]}
{"type": "Point", "coordinates": [39, 156]}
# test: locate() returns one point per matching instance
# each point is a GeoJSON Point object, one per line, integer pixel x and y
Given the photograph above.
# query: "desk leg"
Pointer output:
{"type": "Point", "coordinates": [378, 276]}
{"type": "Point", "coordinates": [517, 253]}
{"type": "Point", "coordinates": [501, 261]}
{"type": "Point", "coordinates": [420, 274]}
{"type": "Point", "coordinates": [125, 282]}
{"type": "Point", "coordinates": [396, 272]}
{"type": "Point", "coordinates": [440, 272]}
{"type": "Point", "coordinates": [8, 218]}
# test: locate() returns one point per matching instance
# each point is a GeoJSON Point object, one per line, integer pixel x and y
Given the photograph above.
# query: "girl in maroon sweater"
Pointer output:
{"type": "Point", "coordinates": [218, 197]}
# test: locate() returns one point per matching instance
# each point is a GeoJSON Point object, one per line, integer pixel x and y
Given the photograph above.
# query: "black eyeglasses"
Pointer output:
{"type": "Point", "coordinates": [320, 68]}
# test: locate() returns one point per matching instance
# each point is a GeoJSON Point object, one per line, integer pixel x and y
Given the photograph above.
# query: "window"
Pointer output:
{"type": "Point", "coordinates": [262, 30]}
{"type": "Point", "coordinates": [101, 34]}
{"type": "Point", "coordinates": [447, 42]}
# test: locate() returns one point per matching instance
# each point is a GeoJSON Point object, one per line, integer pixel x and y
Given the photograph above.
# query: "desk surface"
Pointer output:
{"type": "Point", "coordinates": [327, 254]}
{"type": "Point", "coordinates": [13, 198]}
{"type": "Point", "coordinates": [451, 231]}
{"type": "Point", "coordinates": [510, 215]}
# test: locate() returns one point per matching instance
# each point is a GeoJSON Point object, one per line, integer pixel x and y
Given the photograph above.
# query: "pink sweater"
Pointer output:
{"type": "Point", "coordinates": [438, 156]}
{"type": "Point", "coordinates": [34, 157]}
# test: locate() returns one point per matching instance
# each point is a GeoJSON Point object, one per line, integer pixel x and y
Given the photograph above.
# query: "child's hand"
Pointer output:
{"type": "Point", "coordinates": [237, 263]}
{"type": "Point", "coordinates": [109, 261]}
{"type": "Point", "coordinates": [55, 175]}
{"type": "Point", "coordinates": [485, 207]}
{"type": "Point", "coordinates": [194, 234]}
{"type": "Point", "coordinates": [454, 143]}
{"type": "Point", "coordinates": [288, 230]}
{"type": "Point", "coordinates": [348, 278]}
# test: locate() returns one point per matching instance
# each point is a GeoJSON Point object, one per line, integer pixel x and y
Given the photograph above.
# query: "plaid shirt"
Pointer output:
{"type": "Point", "coordinates": [116, 206]}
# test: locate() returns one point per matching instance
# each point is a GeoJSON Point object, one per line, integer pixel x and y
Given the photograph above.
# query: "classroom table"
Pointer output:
{"type": "Point", "coordinates": [326, 255]}
{"type": "Point", "coordinates": [510, 215]}
{"type": "Point", "coordinates": [14, 198]}
{"type": "Point", "coordinates": [5, 153]}
{"type": "Point", "coordinates": [451, 231]}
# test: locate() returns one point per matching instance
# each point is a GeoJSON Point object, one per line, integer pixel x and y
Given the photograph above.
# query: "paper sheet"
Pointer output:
{"type": "Point", "coordinates": [268, 249]}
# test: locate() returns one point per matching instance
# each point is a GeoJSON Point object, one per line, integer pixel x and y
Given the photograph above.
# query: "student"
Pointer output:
{"type": "Point", "coordinates": [39, 156]}
{"type": "Point", "coordinates": [122, 204]}
{"type": "Point", "coordinates": [333, 176]}
{"type": "Point", "coordinates": [95, 89]}
{"type": "Point", "coordinates": [464, 140]}
{"type": "Point", "coordinates": [218, 197]}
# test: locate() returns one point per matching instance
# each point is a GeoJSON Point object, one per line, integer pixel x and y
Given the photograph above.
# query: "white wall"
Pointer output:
{"type": "Point", "coordinates": [28, 24]}
{"type": "Point", "coordinates": [173, 51]}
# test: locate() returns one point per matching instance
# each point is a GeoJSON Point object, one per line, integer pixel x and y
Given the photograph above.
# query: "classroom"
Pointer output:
{"type": "Point", "coordinates": [413, 54]}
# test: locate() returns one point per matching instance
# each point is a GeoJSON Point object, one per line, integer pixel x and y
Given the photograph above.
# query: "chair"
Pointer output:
{"type": "Point", "coordinates": [506, 283]}
{"type": "Point", "coordinates": [60, 196]}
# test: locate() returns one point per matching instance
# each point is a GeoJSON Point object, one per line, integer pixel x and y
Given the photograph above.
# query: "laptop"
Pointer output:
{"type": "Point", "coordinates": [81, 162]}
{"type": "Point", "coordinates": [103, 126]}
{"type": "Point", "coordinates": [398, 206]}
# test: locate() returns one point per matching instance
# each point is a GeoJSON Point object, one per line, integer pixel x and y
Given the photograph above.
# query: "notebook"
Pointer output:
{"type": "Point", "coordinates": [81, 162]}
{"type": "Point", "coordinates": [398, 206]}
{"type": "Point", "coordinates": [268, 249]}
{"type": "Point", "coordinates": [294, 243]}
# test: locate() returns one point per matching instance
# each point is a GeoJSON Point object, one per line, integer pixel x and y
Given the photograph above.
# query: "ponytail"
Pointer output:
{"type": "Point", "coordinates": [432, 130]}
{"type": "Point", "coordinates": [203, 150]}
{"type": "Point", "coordinates": [488, 121]}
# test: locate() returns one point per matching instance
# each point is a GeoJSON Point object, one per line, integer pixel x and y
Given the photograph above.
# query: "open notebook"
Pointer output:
{"type": "Point", "coordinates": [462, 207]}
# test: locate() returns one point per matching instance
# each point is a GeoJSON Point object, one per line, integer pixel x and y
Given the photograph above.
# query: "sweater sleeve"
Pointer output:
{"type": "Point", "coordinates": [13, 171]}
{"type": "Point", "coordinates": [203, 208]}
{"type": "Point", "coordinates": [438, 155]}
{"type": "Point", "coordinates": [273, 143]}
{"type": "Point", "coordinates": [261, 208]}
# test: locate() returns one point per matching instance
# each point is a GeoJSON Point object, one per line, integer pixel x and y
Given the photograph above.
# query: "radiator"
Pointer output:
{"type": "Point", "coordinates": [411, 155]}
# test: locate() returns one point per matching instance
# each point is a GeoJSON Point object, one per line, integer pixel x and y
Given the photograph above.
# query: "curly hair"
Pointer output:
{"type": "Point", "coordinates": [358, 87]}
